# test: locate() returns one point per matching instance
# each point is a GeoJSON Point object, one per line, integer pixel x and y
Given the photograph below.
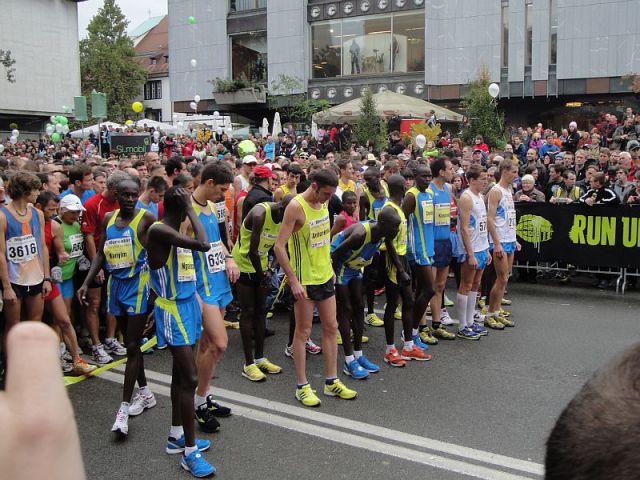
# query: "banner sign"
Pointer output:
{"type": "Point", "coordinates": [130, 144]}
{"type": "Point", "coordinates": [603, 236]}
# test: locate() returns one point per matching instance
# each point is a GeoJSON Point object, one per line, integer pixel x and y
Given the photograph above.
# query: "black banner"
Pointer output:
{"type": "Point", "coordinates": [130, 143]}
{"type": "Point", "coordinates": [603, 236]}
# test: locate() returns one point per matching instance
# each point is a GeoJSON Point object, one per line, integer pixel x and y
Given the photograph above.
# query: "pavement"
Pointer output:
{"type": "Point", "coordinates": [477, 410]}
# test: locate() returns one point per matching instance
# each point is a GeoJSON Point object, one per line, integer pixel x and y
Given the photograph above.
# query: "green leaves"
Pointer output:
{"type": "Point", "coordinates": [369, 125]}
{"type": "Point", "coordinates": [482, 113]}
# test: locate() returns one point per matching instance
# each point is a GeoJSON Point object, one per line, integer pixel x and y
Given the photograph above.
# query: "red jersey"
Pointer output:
{"type": "Point", "coordinates": [97, 208]}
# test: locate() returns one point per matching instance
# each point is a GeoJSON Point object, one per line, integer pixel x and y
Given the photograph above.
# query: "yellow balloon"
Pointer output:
{"type": "Point", "coordinates": [128, 122]}
{"type": "Point", "coordinates": [137, 107]}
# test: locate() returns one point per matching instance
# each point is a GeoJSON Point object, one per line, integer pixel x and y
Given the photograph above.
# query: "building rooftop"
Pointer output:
{"type": "Point", "coordinates": [152, 50]}
{"type": "Point", "coordinates": [144, 27]}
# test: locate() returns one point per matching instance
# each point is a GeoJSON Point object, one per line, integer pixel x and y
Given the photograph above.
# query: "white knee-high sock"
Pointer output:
{"type": "Point", "coordinates": [471, 307]}
{"type": "Point", "coordinates": [461, 309]}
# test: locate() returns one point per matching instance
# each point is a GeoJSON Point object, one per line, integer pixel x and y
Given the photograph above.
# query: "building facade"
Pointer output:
{"type": "Point", "coordinates": [553, 59]}
{"type": "Point", "coordinates": [42, 36]}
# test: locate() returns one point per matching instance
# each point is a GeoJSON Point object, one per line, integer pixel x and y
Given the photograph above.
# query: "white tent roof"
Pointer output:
{"type": "Point", "coordinates": [164, 127]}
{"type": "Point", "coordinates": [94, 129]}
{"type": "Point", "coordinates": [387, 104]}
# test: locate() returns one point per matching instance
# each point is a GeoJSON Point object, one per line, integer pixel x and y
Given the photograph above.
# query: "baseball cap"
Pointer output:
{"type": "Point", "coordinates": [264, 172]}
{"type": "Point", "coordinates": [633, 145]}
{"type": "Point", "coordinates": [71, 203]}
{"type": "Point", "coordinates": [477, 150]}
{"type": "Point", "coordinates": [304, 155]}
{"type": "Point", "coordinates": [249, 159]}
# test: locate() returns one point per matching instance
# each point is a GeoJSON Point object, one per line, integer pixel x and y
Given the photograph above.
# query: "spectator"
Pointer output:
{"type": "Point", "coordinates": [623, 134]}
{"type": "Point", "coordinates": [622, 187]}
{"type": "Point", "coordinates": [555, 180]}
{"type": "Point", "coordinates": [568, 192]}
{"type": "Point", "coordinates": [519, 150]}
{"type": "Point", "coordinates": [633, 197]}
{"type": "Point", "coordinates": [598, 194]}
{"type": "Point", "coordinates": [528, 193]}
{"type": "Point", "coordinates": [573, 138]}
{"type": "Point", "coordinates": [479, 144]}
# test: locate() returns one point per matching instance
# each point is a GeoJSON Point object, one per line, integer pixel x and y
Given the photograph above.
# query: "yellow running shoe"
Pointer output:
{"type": "Point", "coordinates": [398, 313]}
{"type": "Point", "coordinates": [506, 301]}
{"type": "Point", "coordinates": [267, 367]}
{"type": "Point", "coordinates": [307, 396]}
{"type": "Point", "coordinates": [493, 322]}
{"type": "Point", "coordinates": [482, 301]}
{"type": "Point", "coordinates": [443, 333]}
{"type": "Point", "coordinates": [506, 321]}
{"type": "Point", "coordinates": [339, 389]}
{"type": "Point", "coordinates": [373, 320]}
{"type": "Point", "coordinates": [365, 339]}
{"type": "Point", "coordinates": [232, 325]}
{"type": "Point", "coordinates": [426, 337]}
{"type": "Point", "coordinates": [484, 310]}
{"type": "Point", "coordinates": [338, 337]}
{"type": "Point", "coordinates": [269, 314]}
{"type": "Point", "coordinates": [504, 313]}
{"type": "Point", "coordinates": [253, 373]}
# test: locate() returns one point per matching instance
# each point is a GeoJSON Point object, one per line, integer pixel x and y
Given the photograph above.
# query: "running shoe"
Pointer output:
{"type": "Point", "coordinates": [148, 350]}
{"type": "Point", "coordinates": [267, 367]}
{"type": "Point", "coordinates": [114, 347]}
{"type": "Point", "coordinates": [506, 301]}
{"type": "Point", "coordinates": [338, 337]}
{"type": "Point", "coordinates": [482, 301]}
{"type": "Point", "coordinates": [394, 359]}
{"type": "Point", "coordinates": [365, 339]}
{"type": "Point", "coordinates": [368, 365]}
{"type": "Point", "coordinates": [140, 403]}
{"type": "Point", "coordinates": [288, 351]}
{"type": "Point", "coordinates": [445, 319]}
{"type": "Point", "coordinates": [355, 370]}
{"type": "Point", "coordinates": [121, 425]}
{"type": "Point", "coordinates": [253, 373]}
{"type": "Point", "coordinates": [447, 302]}
{"type": "Point", "coordinates": [66, 366]}
{"type": "Point", "coordinates": [67, 356]}
{"type": "Point", "coordinates": [373, 320]}
{"type": "Point", "coordinates": [416, 341]}
{"type": "Point", "coordinates": [100, 356]}
{"type": "Point", "coordinates": [398, 313]}
{"type": "Point", "coordinates": [507, 322]}
{"type": "Point", "coordinates": [427, 337]}
{"type": "Point", "coordinates": [443, 333]}
{"type": "Point", "coordinates": [415, 354]}
{"type": "Point", "coordinates": [428, 310]}
{"type": "Point", "coordinates": [216, 409]}
{"type": "Point", "coordinates": [197, 465]}
{"type": "Point", "coordinates": [379, 292]}
{"type": "Point", "coordinates": [479, 329]}
{"type": "Point", "coordinates": [493, 322]}
{"type": "Point", "coordinates": [339, 389]}
{"type": "Point", "coordinates": [84, 342]}
{"type": "Point", "coordinates": [232, 325]}
{"type": "Point", "coordinates": [468, 334]}
{"type": "Point", "coordinates": [81, 367]}
{"type": "Point", "coordinates": [162, 347]}
{"type": "Point", "coordinates": [270, 314]}
{"type": "Point", "coordinates": [484, 310]}
{"type": "Point", "coordinates": [177, 446]}
{"type": "Point", "coordinates": [504, 313]}
{"type": "Point", "coordinates": [307, 396]}
{"type": "Point", "coordinates": [312, 348]}
{"type": "Point", "coordinates": [206, 419]}
{"type": "Point", "coordinates": [478, 317]}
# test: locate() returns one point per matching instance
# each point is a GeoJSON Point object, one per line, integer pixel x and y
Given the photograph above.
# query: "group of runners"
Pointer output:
{"type": "Point", "coordinates": [169, 256]}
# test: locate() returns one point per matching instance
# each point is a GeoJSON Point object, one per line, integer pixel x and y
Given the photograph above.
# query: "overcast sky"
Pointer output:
{"type": "Point", "coordinates": [136, 11]}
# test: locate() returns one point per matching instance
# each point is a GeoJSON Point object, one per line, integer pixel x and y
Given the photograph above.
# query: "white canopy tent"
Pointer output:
{"type": "Point", "coordinates": [387, 104]}
{"type": "Point", "coordinates": [84, 132]}
{"type": "Point", "coordinates": [163, 127]}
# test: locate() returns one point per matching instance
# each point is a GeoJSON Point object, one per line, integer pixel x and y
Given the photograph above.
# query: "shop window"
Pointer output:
{"type": "Point", "coordinates": [249, 57]}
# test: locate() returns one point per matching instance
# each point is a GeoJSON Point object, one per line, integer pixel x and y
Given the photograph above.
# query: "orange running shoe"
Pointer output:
{"type": "Point", "coordinates": [415, 354]}
{"type": "Point", "coordinates": [394, 359]}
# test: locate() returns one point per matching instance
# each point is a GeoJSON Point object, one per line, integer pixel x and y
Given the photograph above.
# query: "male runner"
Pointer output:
{"type": "Point", "coordinates": [474, 246]}
{"type": "Point", "coordinates": [351, 251]}
{"type": "Point", "coordinates": [418, 208]}
{"type": "Point", "coordinates": [306, 231]}
{"type": "Point", "coordinates": [501, 221]}
{"type": "Point", "coordinates": [122, 251]}
{"type": "Point", "coordinates": [258, 233]}
{"type": "Point", "coordinates": [215, 268]}
{"type": "Point", "coordinates": [290, 187]}
{"type": "Point", "coordinates": [152, 196]}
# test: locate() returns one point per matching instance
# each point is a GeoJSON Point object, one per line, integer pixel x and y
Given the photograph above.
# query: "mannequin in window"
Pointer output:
{"type": "Point", "coordinates": [354, 50]}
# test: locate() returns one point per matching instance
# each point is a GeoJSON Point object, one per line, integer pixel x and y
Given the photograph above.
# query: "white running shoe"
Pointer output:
{"type": "Point", "coordinates": [100, 356]}
{"type": "Point", "coordinates": [445, 319]}
{"type": "Point", "coordinates": [140, 403]}
{"type": "Point", "coordinates": [121, 425]}
{"type": "Point", "coordinates": [114, 347]}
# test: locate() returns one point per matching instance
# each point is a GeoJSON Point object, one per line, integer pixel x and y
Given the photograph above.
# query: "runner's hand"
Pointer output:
{"type": "Point", "coordinates": [297, 290]}
{"type": "Point", "coordinates": [9, 295]}
{"type": "Point", "coordinates": [63, 258]}
{"type": "Point", "coordinates": [82, 295]}
{"type": "Point", "coordinates": [518, 246]}
{"type": "Point", "coordinates": [266, 280]}
{"type": "Point", "coordinates": [498, 251]}
{"type": "Point", "coordinates": [233, 273]}
{"type": "Point", "coordinates": [490, 258]}
{"type": "Point", "coordinates": [473, 262]}
{"type": "Point", "coordinates": [99, 277]}
{"type": "Point", "coordinates": [403, 278]}
{"type": "Point", "coordinates": [46, 288]}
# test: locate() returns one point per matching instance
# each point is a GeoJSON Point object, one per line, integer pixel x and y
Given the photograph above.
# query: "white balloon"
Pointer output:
{"type": "Point", "coordinates": [52, 118]}
{"type": "Point", "coordinates": [59, 127]}
{"type": "Point", "coordinates": [494, 90]}
{"type": "Point", "coordinates": [194, 63]}
{"type": "Point", "coordinates": [421, 141]}
{"type": "Point", "coordinates": [13, 140]}
{"type": "Point", "coordinates": [196, 99]}
{"type": "Point", "coordinates": [65, 129]}
{"type": "Point", "coordinates": [15, 132]}
{"type": "Point", "coordinates": [1, 148]}
{"type": "Point", "coordinates": [216, 113]}
{"type": "Point", "coordinates": [50, 130]}
{"type": "Point", "coordinates": [193, 105]}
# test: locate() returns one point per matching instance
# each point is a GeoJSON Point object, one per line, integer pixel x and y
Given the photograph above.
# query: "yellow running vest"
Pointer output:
{"type": "Point", "coordinates": [268, 236]}
{"type": "Point", "coordinates": [400, 241]}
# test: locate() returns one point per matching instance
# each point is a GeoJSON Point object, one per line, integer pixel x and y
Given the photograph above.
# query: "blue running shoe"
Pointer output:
{"type": "Point", "coordinates": [197, 465]}
{"type": "Point", "coordinates": [177, 446]}
{"type": "Point", "coordinates": [355, 370]}
{"type": "Point", "coordinates": [417, 341]}
{"type": "Point", "coordinates": [479, 329]}
{"type": "Point", "coordinates": [368, 365]}
{"type": "Point", "coordinates": [468, 334]}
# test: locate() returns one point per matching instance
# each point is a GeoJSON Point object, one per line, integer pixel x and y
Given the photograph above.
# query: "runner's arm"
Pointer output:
{"type": "Point", "coordinates": [409, 204]}
{"type": "Point", "coordinates": [492, 208]}
{"type": "Point", "coordinates": [293, 217]}
{"type": "Point", "coordinates": [257, 220]}
{"type": "Point", "coordinates": [353, 239]}
{"type": "Point", "coordinates": [4, 269]}
{"type": "Point", "coordinates": [364, 207]}
{"type": "Point", "coordinates": [338, 225]}
{"type": "Point", "coordinates": [45, 257]}
{"type": "Point", "coordinates": [58, 243]}
{"type": "Point", "coordinates": [464, 215]}
{"type": "Point", "coordinates": [98, 260]}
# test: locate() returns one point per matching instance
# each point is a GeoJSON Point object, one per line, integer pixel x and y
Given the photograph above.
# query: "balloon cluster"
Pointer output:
{"type": "Point", "coordinates": [59, 126]}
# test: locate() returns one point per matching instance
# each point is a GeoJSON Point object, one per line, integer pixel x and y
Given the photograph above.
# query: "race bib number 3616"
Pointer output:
{"type": "Point", "coordinates": [22, 249]}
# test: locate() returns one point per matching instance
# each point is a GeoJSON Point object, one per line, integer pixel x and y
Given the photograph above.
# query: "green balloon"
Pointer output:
{"type": "Point", "coordinates": [192, 20]}
{"type": "Point", "coordinates": [55, 137]}
{"type": "Point", "coordinates": [63, 120]}
{"type": "Point", "coordinates": [246, 147]}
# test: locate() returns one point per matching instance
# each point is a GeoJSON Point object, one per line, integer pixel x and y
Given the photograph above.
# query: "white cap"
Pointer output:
{"type": "Point", "coordinates": [249, 159]}
{"type": "Point", "coordinates": [71, 203]}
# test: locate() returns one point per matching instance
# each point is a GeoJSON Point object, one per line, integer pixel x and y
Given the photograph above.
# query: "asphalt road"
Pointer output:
{"type": "Point", "coordinates": [478, 410]}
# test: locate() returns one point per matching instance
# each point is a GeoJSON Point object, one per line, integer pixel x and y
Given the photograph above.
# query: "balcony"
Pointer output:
{"type": "Point", "coordinates": [236, 6]}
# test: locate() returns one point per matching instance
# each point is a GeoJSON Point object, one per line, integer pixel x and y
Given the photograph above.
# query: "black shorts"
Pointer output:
{"type": "Point", "coordinates": [374, 274]}
{"type": "Point", "coordinates": [250, 279]}
{"type": "Point", "coordinates": [23, 291]}
{"type": "Point", "coordinates": [318, 293]}
{"type": "Point", "coordinates": [81, 276]}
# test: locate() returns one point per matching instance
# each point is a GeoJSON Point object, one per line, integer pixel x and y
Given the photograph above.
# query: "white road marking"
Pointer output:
{"type": "Point", "coordinates": [361, 428]}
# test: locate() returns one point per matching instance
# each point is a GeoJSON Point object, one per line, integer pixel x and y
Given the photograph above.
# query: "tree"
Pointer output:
{"type": "Point", "coordinates": [291, 105]}
{"type": "Point", "coordinates": [369, 126]}
{"type": "Point", "coordinates": [8, 63]}
{"type": "Point", "coordinates": [107, 61]}
{"type": "Point", "coordinates": [482, 113]}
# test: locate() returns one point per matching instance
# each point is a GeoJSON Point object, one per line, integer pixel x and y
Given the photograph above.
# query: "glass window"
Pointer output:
{"type": "Point", "coordinates": [249, 57]}
{"type": "Point", "coordinates": [367, 46]}
{"type": "Point", "coordinates": [505, 34]}
{"type": "Point", "coordinates": [528, 15]}
{"type": "Point", "coordinates": [327, 49]}
{"type": "Point", "coordinates": [553, 40]}
{"type": "Point", "coordinates": [408, 43]}
{"type": "Point", "coordinates": [153, 90]}
{"type": "Point", "coordinates": [242, 5]}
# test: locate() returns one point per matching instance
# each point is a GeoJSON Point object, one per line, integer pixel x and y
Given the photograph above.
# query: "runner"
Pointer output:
{"type": "Point", "coordinates": [418, 207]}
{"type": "Point", "coordinates": [347, 216]}
{"type": "Point", "coordinates": [305, 228]}
{"type": "Point", "coordinates": [474, 246]}
{"type": "Point", "coordinates": [24, 259]}
{"type": "Point", "coordinates": [291, 186]}
{"type": "Point", "coordinates": [398, 284]}
{"type": "Point", "coordinates": [215, 268]}
{"type": "Point", "coordinates": [352, 250]}
{"type": "Point", "coordinates": [258, 233]}
{"type": "Point", "coordinates": [152, 196]}
{"type": "Point", "coordinates": [178, 319]}
{"type": "Point", "coordinates": [73, 241]}
{"type": "Point", "coordinates": [345, 181]}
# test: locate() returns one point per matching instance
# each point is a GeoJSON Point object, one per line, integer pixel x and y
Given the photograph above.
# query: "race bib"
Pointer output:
{"type": "Point", "coordinates": [119, 253]}
{"type": "Point", "coordinates": [511, 219]}
{"type": "Point", "coordinates": [186, 267]}
{"type": "Point", "coordinates": [427, 211]}
{"type": "Point", "coordinates": [22, 249]}
{"type": "Point", "coordinates": [267, 240]}
{"type": "Point", "coordinates": [319, 232]}
{"type": "Point", "coordinates": [359, 262]}
{"type": "Point", "coordinates": [443, 214]}
{"type": "Point", "coordinates": [376, 212]}
{"type": "Point", "coordinates": [215, 257]}
{"type": "Point", "coordinates": [482, 225]}
{"type": "Point", "coordinates": [402, 234]}
{"type": "Point", "coordinates": [221, 212]}
{"type": "Point", "coordinates": [77, 245]}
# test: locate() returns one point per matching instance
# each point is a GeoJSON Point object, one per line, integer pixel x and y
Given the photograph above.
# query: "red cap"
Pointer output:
{"type": "Point", "coordinates": [264, 172]}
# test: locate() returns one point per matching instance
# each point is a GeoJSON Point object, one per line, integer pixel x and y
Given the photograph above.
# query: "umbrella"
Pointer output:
{"type": "Point", "coordinates": [277, 127]}
{"type": "Point", "coordinates": [314, 129]}
{"type": "Point", "coordinates": [265, 127]}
